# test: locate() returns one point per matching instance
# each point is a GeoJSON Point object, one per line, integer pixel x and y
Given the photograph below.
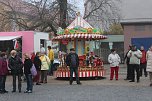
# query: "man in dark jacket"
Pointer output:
{"type": "Point", "coordinates": [16, 65]}
{"type": "Point", "coordinates": [37, 63]}
{"type": "Point", "coordinates": [128, 65]}
{"type": "Point", "coordinates": [72, 60]}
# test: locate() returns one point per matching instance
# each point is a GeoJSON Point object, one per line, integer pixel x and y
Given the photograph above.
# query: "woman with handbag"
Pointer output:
{"type": "Point", "coordinates": [27, 71]}
{"type": "Point", "coordinates": [44, 67]}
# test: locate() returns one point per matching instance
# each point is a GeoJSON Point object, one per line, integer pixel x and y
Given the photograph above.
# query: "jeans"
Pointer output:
{"type": "Point", "coordinates": [75, 70]}
{"type": "Point", "coordinates": [29, 82]}
{"type": "Point", "coordinates": [44, 75]}
{"type": "Point", "coordinates": [19, 82]}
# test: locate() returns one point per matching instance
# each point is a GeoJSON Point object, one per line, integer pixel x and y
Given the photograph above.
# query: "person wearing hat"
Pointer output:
{"type": "Point", "coordinates": [72, 60]}
{"type": "Point", "coordinates": [134, 54]}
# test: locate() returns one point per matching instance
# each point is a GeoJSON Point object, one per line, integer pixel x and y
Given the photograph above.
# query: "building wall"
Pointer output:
{"type": "Point", "coordinates": [131, 31]}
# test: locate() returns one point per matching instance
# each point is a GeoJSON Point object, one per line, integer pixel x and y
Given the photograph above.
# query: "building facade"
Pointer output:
{"type": "Point", "coordinates": [138, 32]}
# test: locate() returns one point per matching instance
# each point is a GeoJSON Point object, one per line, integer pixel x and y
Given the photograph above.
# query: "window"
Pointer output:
{"type": "Point", "coordinates": [139, 28]}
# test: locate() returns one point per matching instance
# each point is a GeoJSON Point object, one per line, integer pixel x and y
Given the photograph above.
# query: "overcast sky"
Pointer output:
{"type": "Point", "coordinates": [136, 9]}
{"type": "Point", "coordinates": [79, 4]}
{"type": "Point", "coordinates": [129, 8]}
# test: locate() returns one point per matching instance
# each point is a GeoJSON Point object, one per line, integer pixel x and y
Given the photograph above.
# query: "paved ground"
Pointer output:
{"type": "Point", "coordinates": [90, 90]}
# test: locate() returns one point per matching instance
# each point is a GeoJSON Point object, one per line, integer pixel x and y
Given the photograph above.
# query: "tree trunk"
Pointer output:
{"type": "Point", "coordinates": [63, 16]}
{"type": "Point", "coordinates": [63, 13]}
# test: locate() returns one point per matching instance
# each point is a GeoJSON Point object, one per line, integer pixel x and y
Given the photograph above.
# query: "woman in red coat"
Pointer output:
{"type": "Point", "coordinates": [3, 72]}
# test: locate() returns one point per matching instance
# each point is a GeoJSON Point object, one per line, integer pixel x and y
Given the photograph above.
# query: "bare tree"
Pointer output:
{"type": "Point", "coordinates": [104, 11]}
{"type": "Point", "coordinates": [42, 15]}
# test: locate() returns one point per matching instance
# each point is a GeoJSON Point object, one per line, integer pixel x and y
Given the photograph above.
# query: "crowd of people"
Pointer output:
{"type": "Point", "coordinates": [138, 61]}
{"type": "Point", "coordinates": [23, 68]}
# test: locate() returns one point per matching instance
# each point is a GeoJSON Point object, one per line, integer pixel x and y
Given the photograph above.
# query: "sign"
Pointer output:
{"type": "Point", "coordinates": [65, 42]}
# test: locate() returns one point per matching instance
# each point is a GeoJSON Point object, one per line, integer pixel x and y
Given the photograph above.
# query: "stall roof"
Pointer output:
{"type": "Point", "coordinates": [6, 38]}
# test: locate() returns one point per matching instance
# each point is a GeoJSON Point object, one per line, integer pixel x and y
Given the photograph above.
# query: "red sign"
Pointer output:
{"type": "Point", "coordinates": [65, 42]}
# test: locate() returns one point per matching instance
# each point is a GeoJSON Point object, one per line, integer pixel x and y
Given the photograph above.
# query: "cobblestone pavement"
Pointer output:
{"type": "Point", "coordinates": [90, 90]}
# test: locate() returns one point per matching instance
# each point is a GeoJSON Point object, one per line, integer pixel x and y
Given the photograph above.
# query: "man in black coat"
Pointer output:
{"type": "Point", "coordinates": [128, 65]}
{"type": "Point", "coordinates": [16, 65]}
{"type": "Point", "coordinates": [72, 60]}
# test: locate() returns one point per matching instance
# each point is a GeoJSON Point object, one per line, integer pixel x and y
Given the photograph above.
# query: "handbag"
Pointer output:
{"type": "Point", "coordinates": [33, 70]}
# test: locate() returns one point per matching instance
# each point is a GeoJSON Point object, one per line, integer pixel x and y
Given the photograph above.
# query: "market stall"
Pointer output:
{"type": "Point", "coordinates": [23, 41]}
{"type": "Point", "coordinates": [79, 34]}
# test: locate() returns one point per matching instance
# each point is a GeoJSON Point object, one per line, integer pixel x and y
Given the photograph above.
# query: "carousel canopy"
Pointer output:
{"type": "Point", "coordinates": [79, 29]}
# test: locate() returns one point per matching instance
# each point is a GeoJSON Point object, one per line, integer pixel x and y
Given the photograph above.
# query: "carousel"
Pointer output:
{"type": "Point", "coordinates": [80, 35]}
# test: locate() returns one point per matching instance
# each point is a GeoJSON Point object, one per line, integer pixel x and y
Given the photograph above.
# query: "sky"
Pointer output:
{"type": "Point", "coordinates": [130, 9]}
{"type": "Point", "coordinates": [136, 9]}
{"type": "Point", "coordinates": [79, 4]}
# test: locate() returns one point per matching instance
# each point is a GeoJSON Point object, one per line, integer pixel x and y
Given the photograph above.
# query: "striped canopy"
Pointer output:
{"type": "Point", "coordinates": [79, 29]}
{"type": "Point", "coordinates": [80, 36]}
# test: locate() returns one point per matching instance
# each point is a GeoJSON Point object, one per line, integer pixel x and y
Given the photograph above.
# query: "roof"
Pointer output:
{"type": "Point", "coordinates": [79, 29]}
{"type": "Point", "coordinates": [114, 38]}
{"type": "Point", "coordinates": [136, 21]}
{"type": "Point", "coordinates": [79, 21]}
{"type": "Point", "coordinates": [7, 38]}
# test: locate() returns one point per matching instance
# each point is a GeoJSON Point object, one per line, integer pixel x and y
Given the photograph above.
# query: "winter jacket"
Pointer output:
{"type": "Point", "coordinates": [45, 62]}
{"type": "Point", "coordinates": [37, 63]}
{"type": "Point", "coordinates": [127, 58]}
{"type": "Point", "coordinates": [114, 60]}
{"type": "Point", "coordinates": [16, 65]}
{"type": "Point", "coordinates": [149, 61]}
{"type": "Point", "coordinates": [143, 59]}
{"type": "Point", "coordinates": [51, 54]}
{"type": "Point", "coordinates": [3, 67]}
{"type": "Point", "coordinates": [134, 56]}
{"type": "Point", "coordinates": [68, 59]}
{"type": "Point", "coordinates": [27, 66]}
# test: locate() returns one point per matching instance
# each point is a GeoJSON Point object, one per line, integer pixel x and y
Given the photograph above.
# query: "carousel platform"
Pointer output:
{"type": "Point", "coordinates": [83, 72]}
